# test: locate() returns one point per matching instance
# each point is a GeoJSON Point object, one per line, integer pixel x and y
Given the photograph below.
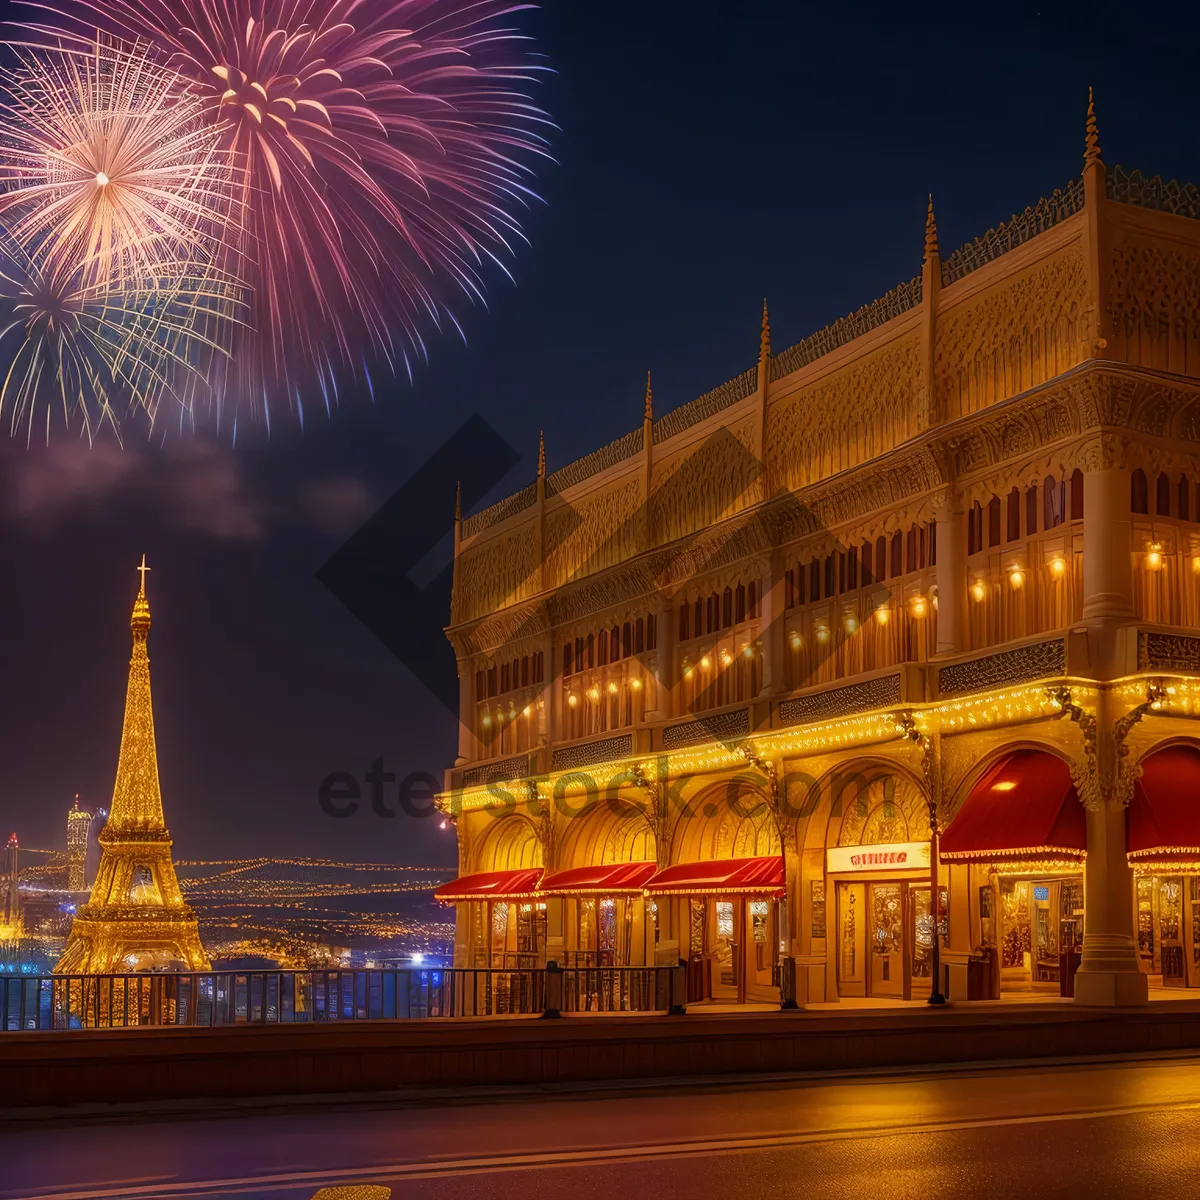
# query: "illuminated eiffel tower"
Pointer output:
{"type": "Point", "coordinates": [135, 918]}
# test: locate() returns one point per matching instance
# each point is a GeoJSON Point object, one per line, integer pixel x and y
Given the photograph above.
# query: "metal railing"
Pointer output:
{"type": "Point", "coordinates": [226, 998]}
{"type": "Point", "coordinates": [223, 998]}
{"type": "Point", "coordinates": [616, 989]}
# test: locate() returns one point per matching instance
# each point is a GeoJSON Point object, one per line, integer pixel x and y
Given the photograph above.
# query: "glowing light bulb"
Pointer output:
{"type": "Point", "coordinates": [636, 684]}
{"type": "Point", "coordinates": [612, 689]}
{"type": "Point", "coordinates": [1154, 557]}
{"type": "Point", "coordinates": [687, 672]}
{"type": "Point", "coordinates": [919, 606]}
{"type": "Point", "coordinates": [748, 650]}
{"type": "Point", "coordinates": [1016, 577]}
{"type": "Point", "coordinates": [796, 636]}
{"type": "Point", "coordinates": [527, 710]}
{"type": "Point", "coordinates": [851, 624]}
{"type": "Point", "coordinates": [487, 719]}
{"type": "Point", "coordinates": [978, 591]}
{"type": "Point", "coordinates": [822, 633]}
{"type": "Point", "coordinates": [101, 179]}
{"type": "Point", "coordinates": [883, 615]}
{"type": "Point", "coordinates": [1196, 565]}
{"type": "Point", "coordinates": [726, 658]}
{"type": "Point", "coordinates": [593, 693]}
{"type": "Point", "coordinates": [572, 700]}
{"type": "Point", "coordinates": [1058, 567]}
{"type": "Point", "coordinates": [706, 662]}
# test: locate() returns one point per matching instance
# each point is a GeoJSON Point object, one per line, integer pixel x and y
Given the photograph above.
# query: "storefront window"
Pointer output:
{"type": "Point", "coordinates": [818, 908]}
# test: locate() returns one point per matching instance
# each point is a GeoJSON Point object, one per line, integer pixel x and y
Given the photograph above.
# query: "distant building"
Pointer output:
{"type": "Point", "coordinates": [79, 824]}
{"type": "Point", "coordinates": [12, 895]}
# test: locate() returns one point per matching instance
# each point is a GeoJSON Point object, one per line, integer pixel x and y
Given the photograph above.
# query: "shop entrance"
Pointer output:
{"type": "Point", "coordinates": [1041, 933]}
{"type": "Point", "coordinates": [1168, 928]}
{"type": "Point", "coordinates": [733, 948]}
{"type": "Point", "coordinates": [884, 937]}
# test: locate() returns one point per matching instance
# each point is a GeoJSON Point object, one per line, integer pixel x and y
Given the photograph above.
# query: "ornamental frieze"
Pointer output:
{"type": "Point", "coordinates": [720, 727]}
{"type": "Point", "coordinates": [1041, 660]}
{"type": "Point", "coordinates": [841, 701]}
{"type": "Point", "coordinates": [568, 758]}
{"type": "Point", "coordinates": [1168, 652]}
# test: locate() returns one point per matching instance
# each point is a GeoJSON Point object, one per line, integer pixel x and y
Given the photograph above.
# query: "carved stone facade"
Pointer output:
{"type": "Point", "coordinates": [960, 525]}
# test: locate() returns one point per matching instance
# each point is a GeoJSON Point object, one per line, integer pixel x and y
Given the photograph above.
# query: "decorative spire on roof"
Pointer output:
{"type": "Point", "coordinates": [1091, 153]}
{"type": "Point", "coordinates": [541, 454]}
{"type": "Point", "coordinates": [649, 413]}
{"type": "Point", "coordinates": [764, 344]}
{"type": "Point", "coordinates": [931, 242]}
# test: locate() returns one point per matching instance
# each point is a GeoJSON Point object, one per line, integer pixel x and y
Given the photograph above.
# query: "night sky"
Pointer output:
{"type": "Point", "coordinates": [709, 154]}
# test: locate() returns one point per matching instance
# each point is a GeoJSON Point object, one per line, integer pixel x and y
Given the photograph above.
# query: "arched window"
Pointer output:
{"type": "Point", "coordinates": [591, 651]}
{"type": "Point", "coordinates": [994, 521]}
{"type": "Point", "coordinates": [814, 580]}
{"type": "Point", "coordinates": [602, 648]}
{"type": "Point", "coordinates": [491, 678]}
{"type": "Point", "coordinates": [897, 567]}
{"type": "Point", "coordinates": [614, 644]}
{"type": "Point", "coordinates": [910, 557]}
{"type": "Point", "coordinates": [626, 640]}
{"type": "Point", "coordinates": [539, 668]}
{"type": "Point", "coordinates": [830, 579]}
{"type": "Point", "coordinates": [1013, 531]}
{"type": "Point", "coordinates": [698, 623]}
{"type": "Point", "coordinates": [1031, 507]}
{"type": "Point", "coordinates": [1185, 499]}
{"type": "Point", "coordinates": [1139, 499]}
{"type": "Point", "coordinates": [1077, 495]}
{"type": "Point", "coordinates": [868, 576]}
{"type": "Point", "coordinates": [727, 608]}
{"type": "Point", "coordinates": [1162, 499]}
{"type": "Point", "coordinates": [524, 670]}
{"type": "Point", "coordinates": [975, 528]}
{"type": "Point", "coordinates": [505, 678]}
{"type": "Point", "coordinates": [651, 632]}
{"type": "Point", "coordinates": [851, 568]}
{"type": "Point", "coordinates": [639, 636]}
{"type": "Point", "coordinates": [579, 654]}
{"type": "Point", "coordinates": [684, 614]}
{"type": "Point", "coordinates": [789, 588]}
{"type": "Point", "coordinates": [752, 600]}
{"type": "Point", "coordinates": [567, 659]}
{"type": "Point", "coordinates": [739, 604]}
{"type": "Point", "coordinates": [881, 558]}
{"type": "Point", "coordinates": [1052, 502]}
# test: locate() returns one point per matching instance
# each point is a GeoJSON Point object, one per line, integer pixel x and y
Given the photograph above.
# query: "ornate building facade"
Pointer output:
{"type": "Point", "coordinates": [896, 632]}
{"type": "Point", "coordinates": [135, 918]}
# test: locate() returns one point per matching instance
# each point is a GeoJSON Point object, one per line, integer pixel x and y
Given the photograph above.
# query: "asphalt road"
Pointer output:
{"type": "Point", "coordinates": [1095, 1130]}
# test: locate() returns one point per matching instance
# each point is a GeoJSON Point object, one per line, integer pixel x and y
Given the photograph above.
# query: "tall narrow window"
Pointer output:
{"type": "Point", "coordinates": [567, 659]}
{"type": "Point", "coordinates": [652, 632]}
{"type": "Point", "coordinates": [897, 566]}
{"type": "Point", "coordinates": [829, 576]}
{"type": "Point", "coordinates": [639, 636]}
{"type": "Point", "coordinates": [910, 551]}
{"type": "Point", "coordinates": [626, 640]}
{"type": "Point", "coordinates": [752, 600]}
{"type": "Point", "coordinates": [727, 608]}
{"type": "Point", "coordinates": [851, 568]}
{"type": "Point", "coordinates": [739, 604]}
{"type": "Point", "coordinates": [881, 557]}
{"type": "Point", "coordinates": [1077, 495]}
{"type": "Point", "coordinates": [591, 651]}
{"type": "Point", "coordinates": [867, 577]}
{"type": "Point", "coordinates": [1031, 507]}
{"type": "Point", "coordinates": [1162, 498]}
{"type": "Point", "coordinates": [1014, 515]}
{"type": "Point", "coordinates": [1185, 499]}
{"type": "Point", "coordinates": [789, 588]}
{"type": "Point", "coordinates": [1052, 507]}
{"type": "Point", "coordinates": [1139, 499]}
{"type": "Point", "coordinates": [602, 648]}
{"type": "Point", "coordinates": [814, 580]}
{"type": "Point", "coordinates": [684, 613]}
{"type": "Point", "coordinates": [994, 521]}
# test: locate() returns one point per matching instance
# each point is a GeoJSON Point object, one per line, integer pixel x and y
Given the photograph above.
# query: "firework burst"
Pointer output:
{"type": "Point", "coordinates": [384, 147]}
{"type": "Point", "coordinates": [106, 157]}
{"type": "Point", "coordinates": [79, 343]}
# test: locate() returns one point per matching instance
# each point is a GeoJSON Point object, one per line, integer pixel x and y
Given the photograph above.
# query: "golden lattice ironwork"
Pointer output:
{"type": "Point", "coordinates": [135, 918]}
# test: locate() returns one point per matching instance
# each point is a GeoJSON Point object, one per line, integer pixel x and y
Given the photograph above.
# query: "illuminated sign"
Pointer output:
{"type": "Point", "coordinates": [895, 856]}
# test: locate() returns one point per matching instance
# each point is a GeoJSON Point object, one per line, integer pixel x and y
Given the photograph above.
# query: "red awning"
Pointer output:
{"type": "Point", "coordinates": [491, 885]}
{"type": "Point", "coordinates": [722, 877]}
{"type": "Point", "coordinates": [1024, 810]}
{"type": "Point", "coordinates": [1164, 814]}
{"type": "Point", "coordinates": [600, 881]}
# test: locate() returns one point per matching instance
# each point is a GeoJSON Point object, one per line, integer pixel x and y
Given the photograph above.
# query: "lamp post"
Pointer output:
{"type": "Point", "coordinates": [935, 993]}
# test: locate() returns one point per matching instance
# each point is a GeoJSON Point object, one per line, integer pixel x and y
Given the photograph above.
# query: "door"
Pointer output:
{"type": "Point", "coordinates": [852, 939]}
{"type": "Point", "coordinates": [920, 930]}
{"type": "Point", "coordinates": [1170, 931]}
{"type": "Point", "coordinates": [886, 939]}
{"type": "Point", "coordinates": [725, 950]}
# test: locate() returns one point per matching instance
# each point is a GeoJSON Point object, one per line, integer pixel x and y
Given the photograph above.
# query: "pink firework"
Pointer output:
{"type": "Point", "coordinates": [384, 147]}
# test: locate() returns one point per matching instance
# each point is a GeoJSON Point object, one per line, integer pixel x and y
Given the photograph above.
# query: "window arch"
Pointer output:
{"type": "Point", "coordinates": [1013, 531]}
{"type": "Point", "coordinates": [1185, 499]}
{"type": "Point", "coordinates": [1031, 510]}
{"type": "Point", "coordinates": [1077, 495]}
{"type": "Point", "coordinates": [1052, 502]}
{"type": "Point", "coordinates": [1162, 499]}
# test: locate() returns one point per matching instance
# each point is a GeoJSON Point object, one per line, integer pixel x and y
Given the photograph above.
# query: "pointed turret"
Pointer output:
{"type": "Point", "coordinates": [648, 414]}
{"type": "Point", "coordinates": [135, 918]}
{"type": "Point", "coordinates": [764, 340]}
{"type": "Point", "coordinates": [541, 454]}
{"type": "Point", "coordinates": [1091, 140]}
{"type": "Point", "coordinates": [931, 242]}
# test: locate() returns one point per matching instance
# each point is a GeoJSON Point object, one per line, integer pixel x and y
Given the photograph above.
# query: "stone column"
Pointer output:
{"type": "Point", "coordinates": [953, 630]}
{"type": "Point", "coordinates": [1107, 547]}
{"type": "Point", "coordinates": [773, 608]}
{"type": "Point", "coordinates": [1109, 973]}
{"type": "Point", "coordinates": [466, 714]}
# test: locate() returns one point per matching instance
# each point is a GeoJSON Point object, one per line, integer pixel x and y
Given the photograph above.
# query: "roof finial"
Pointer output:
{"type": "Point", "coordinates": [142, 585]}
{"type": "Point", "coordinates": [931, 245]}
{"type": "Point", "coordinates": [764, 343]}
{"type": "Point", "coordinates": [1091, 153]}
{"type": "Point", "coordinates": [541, 454]}
{"type": "Point", "coordinates": [458, 501]}
{"type": "Point", "coordinates": [649, 414]}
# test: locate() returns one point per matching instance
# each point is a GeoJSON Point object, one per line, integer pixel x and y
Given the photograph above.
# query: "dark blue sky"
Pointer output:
{"type": "Point", "coordinates": [709, 154]}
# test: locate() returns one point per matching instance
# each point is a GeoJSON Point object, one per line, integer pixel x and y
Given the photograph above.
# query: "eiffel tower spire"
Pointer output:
{"type": "Point", "coordinates": [135, 918]}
